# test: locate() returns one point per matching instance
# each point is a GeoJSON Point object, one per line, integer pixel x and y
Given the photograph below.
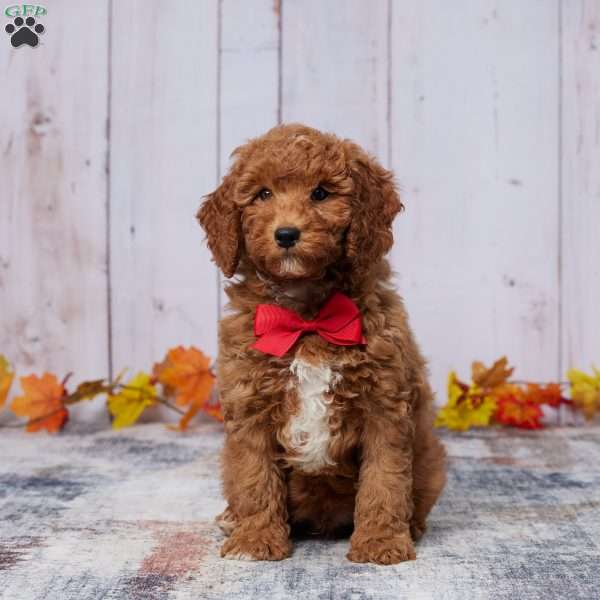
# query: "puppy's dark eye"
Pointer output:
{"type": "Point", "coordinates": [319, 193]}
{"type": "Point", "coordinates": [264, 194]}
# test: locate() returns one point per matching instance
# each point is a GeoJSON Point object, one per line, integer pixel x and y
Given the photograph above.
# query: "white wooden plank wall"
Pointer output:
{"type": "Point", "coordinates": [162, 139]}
{"type": "Point", "coordinates": [335, 69]}
{"type": "Point", "coordinates": [580, 185]}
{"type": "Point", "coordinates": [475, 99]}
{"type": "Point", "coordinates": [53, 261]}
{"type": "Point", "coordinates": [487, 110]}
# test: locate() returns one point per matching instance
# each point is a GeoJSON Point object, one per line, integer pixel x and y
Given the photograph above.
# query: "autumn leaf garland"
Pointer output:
{"type": "Point", "coordinates": [491, 398]}
{"type": "Point", "coordinates": [183, 381]}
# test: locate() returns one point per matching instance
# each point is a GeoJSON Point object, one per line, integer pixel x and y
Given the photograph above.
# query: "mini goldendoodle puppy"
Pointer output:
{"type": "Point", "coordinates": [328, 412]}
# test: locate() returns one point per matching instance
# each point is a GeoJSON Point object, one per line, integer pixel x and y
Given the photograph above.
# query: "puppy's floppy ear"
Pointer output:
{"type": "Point", "coordinates": [220, 218]}
{"type": "Point", "coordinates": [376, 203]}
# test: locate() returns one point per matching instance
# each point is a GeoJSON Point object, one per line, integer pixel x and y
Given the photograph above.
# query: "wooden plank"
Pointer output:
{"type": "Point", "coordinates": [163, 159]}
{"type": "Point", "coordinates": [249, 72]}
{"type": "Point", "coordinates": [249, 75]}
{"type": "Point", "coordinates": [580, 263]}
{"type": "Point", "coordinates": [335, 69]}
{"type": "Point", "coordinates": [53, 284]}
{"type": "Point", "coordinates": [475, 147]}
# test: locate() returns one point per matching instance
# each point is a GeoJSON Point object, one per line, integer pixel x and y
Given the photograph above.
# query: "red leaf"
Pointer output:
{"type": "Point", "coordinates": [515, 409]}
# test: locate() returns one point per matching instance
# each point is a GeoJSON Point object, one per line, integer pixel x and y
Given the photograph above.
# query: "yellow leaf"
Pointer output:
{"type": "Point", "coordinates": [6, 378]}
{"type": "Point", "coordinates": [128, 405]}
{"type": "Point", "coordinates": [585, 391]}
{"type": "Point", "coordinates": [466, 407]}
{"type": "Point", "coordinates": [42, 402]}
{"type": "Point", "coordinates": [457, 390]}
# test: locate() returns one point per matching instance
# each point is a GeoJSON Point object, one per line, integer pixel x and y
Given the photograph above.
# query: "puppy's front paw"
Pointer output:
{"type": "Point", "coordinates": [262, 544]}
{"type": "Point", "coordinates": [387, 550]}
{"type": "Point", "coordinates": [227, 521]}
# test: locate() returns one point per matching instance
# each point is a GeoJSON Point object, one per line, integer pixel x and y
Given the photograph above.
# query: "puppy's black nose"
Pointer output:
{"type": "Point", "coordinates": [287, 236]}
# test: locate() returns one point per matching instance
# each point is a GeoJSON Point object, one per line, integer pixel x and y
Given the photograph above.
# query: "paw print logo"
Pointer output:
{"type": "Point", "coordinates": [24, 32]}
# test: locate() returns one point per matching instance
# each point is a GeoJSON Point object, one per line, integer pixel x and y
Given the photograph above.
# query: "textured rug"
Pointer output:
{"type": "Point", "coordinates": [129, 515]}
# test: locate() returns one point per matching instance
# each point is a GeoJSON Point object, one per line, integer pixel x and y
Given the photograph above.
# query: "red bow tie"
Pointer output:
{"type": "Point", "coordinates": [278, 329]}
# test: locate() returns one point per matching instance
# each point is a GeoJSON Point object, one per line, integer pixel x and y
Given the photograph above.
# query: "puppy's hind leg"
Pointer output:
{"type": "Point", "coordinates": [429, 474]}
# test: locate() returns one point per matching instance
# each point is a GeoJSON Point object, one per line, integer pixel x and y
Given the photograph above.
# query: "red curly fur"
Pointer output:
{"type": "Point", "coordinates": [382, 468]}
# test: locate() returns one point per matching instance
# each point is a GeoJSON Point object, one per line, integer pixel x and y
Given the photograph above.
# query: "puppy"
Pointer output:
{"type": "Point", "coordinates": [328, 412]}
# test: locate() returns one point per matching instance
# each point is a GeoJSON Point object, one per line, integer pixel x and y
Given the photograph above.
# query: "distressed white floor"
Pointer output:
{"type": "Point", "coordinates": [129, 514]}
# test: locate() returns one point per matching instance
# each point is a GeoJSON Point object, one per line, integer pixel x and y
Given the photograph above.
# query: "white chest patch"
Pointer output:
{"type": "Point", "coordinates": [308, 430]}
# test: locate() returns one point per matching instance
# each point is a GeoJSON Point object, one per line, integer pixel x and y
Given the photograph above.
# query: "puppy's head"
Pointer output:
{"type": "Point", "coordinates": [297, 201]}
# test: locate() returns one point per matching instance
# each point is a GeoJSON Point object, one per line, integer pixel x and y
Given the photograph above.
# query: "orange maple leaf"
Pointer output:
{"type": "Point", "coordinates": [549, 394]}
{"type": "Point", "coordinates": [518, 409]}
{"type": "Point", "coordinates": [42, 403]}
{"type": "Point", "coordinates": [491, 377]}
{"type": "Point", "coordinates": [186, 375]}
